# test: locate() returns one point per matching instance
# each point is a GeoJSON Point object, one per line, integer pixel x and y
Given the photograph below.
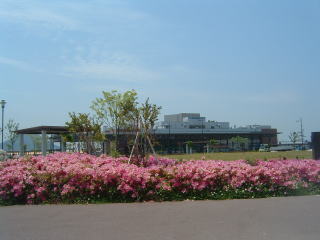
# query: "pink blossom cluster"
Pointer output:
{"type": "Point", "coordinates": [199, 175]}
{"type": "Point", "coordinates": [165, 162]}
{"type": "Point", "coordinates": [64, 175]}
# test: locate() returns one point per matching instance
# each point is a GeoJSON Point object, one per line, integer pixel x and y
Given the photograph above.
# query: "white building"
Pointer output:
{"type": "Point", "coordinates": [184, 122]}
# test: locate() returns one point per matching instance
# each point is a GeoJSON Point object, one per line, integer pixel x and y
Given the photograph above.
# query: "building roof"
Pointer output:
{"type": "Point", "coordinates": [205, 131]}
{"type": "Point", "coordinates": [48, 129]}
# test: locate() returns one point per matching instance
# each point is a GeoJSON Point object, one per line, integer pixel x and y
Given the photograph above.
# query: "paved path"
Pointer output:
{"type": "Point", "coordinates": [291, 218]}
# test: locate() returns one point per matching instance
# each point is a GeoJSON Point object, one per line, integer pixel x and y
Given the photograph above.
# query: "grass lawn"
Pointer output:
{"type": "Point", "coordinates": [249, 156]}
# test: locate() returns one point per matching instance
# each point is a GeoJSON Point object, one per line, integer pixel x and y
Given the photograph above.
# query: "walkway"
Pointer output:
{"type": "Point", "coordinates": [291, 218]}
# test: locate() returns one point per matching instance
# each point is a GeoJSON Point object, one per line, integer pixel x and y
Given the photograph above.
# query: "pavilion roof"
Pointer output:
{"type": "Point", "coordinates": [48, 129]}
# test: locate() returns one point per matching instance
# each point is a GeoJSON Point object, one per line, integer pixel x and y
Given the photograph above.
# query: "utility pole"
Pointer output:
{"type": "Point", "coordinates": [169, 142]}
{"type": "Point", "coordinates": [202, 134]}
{"type": "Point", "coordinates": [301, 132]}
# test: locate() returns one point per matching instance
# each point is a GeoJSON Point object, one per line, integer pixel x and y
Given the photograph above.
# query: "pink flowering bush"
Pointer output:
{"type": "Point", "coordinates": [64, 177]}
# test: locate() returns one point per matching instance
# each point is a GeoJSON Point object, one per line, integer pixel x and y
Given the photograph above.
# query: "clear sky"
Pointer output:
{"type": "Point", "coordinates": [242, 61]}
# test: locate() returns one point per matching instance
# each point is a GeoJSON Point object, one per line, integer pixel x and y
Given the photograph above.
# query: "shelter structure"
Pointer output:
{"type": "Point", "coordinates": [43, 130]}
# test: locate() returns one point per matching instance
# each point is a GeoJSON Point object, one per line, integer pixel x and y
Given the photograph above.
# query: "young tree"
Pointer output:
{"type": "Point", "coordinates": [294, 138]}
{"type": "Point", "coordinates": [189, 145]}
{"type": "Point", "coordinates": [117, 110]}
{"type": "Point", "coordinates": [212, 143]}
{"type": "Point", "coordinates": [146, 116]}
{"type": "Point", "coordinates": [36, 140]}
{"type": "Point", "coordinates": [87, 129]}
{"type": "Point", "coordinates": [10, 134]}
{"type": "Point", "coordinates": [239, 141]}
{"type": "Point", "coordinates": [124, 116]}
{"type": "Point", "coordinates": [69, 138]}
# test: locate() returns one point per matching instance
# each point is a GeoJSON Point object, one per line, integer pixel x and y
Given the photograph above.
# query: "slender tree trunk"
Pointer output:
{"type": "Point", "coordinates": [116, 139]}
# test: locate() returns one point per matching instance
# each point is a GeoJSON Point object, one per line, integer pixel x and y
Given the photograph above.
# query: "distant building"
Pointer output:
{"type": "Point", "coordinates": [173, 134]}
{"type": "Point", "coordinates": [191, 121]}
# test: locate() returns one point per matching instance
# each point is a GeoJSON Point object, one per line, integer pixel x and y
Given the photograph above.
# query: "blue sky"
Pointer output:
{"type": "Point", "coordinates": [246, 62]}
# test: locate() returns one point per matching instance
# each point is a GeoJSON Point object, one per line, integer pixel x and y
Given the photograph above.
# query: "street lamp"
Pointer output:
{"type": "Point", "coordinates": [2, 103]}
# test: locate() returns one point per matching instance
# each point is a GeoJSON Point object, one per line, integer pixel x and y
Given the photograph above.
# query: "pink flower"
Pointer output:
{"type": "Point", "coordinates": [64, 173]}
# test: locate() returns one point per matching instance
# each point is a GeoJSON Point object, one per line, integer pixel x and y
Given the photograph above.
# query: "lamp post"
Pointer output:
{"type": "Point", "coordinates": [2, 103]}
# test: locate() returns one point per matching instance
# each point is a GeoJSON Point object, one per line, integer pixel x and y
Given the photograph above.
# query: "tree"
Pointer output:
{"type": "Point", "coordinates": [294, 138]}
{"type": "Point", "coordinates": [239, 141]}
{"type": "Point", "coordinates": [11, 135]}
{"type": "Point", "coordinates": [145, 118]}
{"type": "Point", "coordinates": [87, 129]}
{"type": "Point", "coordinates": [124, 116]}
{"type": "Point", "coordinates": [212, 142]}
{"type": "Point", "coordinates": [36, 140]}
{"type": "Point", "coordinates": [117, 110]}
{"type": "Point", "coordinates": [189, 145]}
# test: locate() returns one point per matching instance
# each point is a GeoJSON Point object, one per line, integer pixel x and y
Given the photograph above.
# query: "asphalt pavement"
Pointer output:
{"type": "Point", "coordinates": [290, 218]}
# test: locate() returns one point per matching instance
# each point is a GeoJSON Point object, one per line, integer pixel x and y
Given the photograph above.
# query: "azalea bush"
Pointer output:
{"type": "Point", "coordinates": [82, 178]}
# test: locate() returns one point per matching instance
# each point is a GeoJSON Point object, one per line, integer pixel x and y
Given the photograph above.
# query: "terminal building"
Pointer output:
{"type": "Point", "coordinates": [173, 135]}
{"type": "Point", "coordinates": [177, 130]}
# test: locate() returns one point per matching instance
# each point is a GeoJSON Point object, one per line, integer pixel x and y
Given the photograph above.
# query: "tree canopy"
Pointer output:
{"type": "Point", "coordinates": [124, 115]}
{"type": "Point", "coordinates": [86, 128]}
{"type": "Point", "coordinates": [10, 133]}
{"type": "Point", "coordinates": [117, 110]}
